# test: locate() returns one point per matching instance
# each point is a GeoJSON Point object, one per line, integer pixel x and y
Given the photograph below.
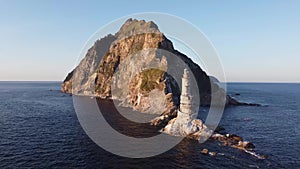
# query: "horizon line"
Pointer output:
{"type": "Point", "coordinates": [220, 82]}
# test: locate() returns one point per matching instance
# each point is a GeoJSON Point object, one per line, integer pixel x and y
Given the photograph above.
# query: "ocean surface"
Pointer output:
{"type": "Point", "coordinates": [39, 129]}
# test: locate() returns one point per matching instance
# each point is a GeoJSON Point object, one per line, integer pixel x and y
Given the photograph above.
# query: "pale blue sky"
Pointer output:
{"type": "Point", "coordinates": [258, 41]}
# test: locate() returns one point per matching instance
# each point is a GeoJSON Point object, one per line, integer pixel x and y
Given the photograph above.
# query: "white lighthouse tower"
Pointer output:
{"type": "Point", "coordinates": [185, 98]}
{"type": "Point", "coordinates": [186, 122]}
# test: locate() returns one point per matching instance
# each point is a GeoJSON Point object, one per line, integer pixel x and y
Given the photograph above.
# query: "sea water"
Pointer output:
{"type": "Point", "coordinates": [39, 129]}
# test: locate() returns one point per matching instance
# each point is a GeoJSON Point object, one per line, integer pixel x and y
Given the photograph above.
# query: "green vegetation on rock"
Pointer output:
{"type": "Point", "coordinates": [151, 79]}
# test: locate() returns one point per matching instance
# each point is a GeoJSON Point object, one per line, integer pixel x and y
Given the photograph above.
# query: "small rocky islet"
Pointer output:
{"type": "Point", "coordinates": [117, 62]}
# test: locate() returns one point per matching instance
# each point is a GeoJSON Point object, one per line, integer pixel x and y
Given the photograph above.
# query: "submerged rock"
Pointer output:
{"type": "Point", "coordinates": [204, 151]}
{"type": "Point", "coordinates": [246, 145]}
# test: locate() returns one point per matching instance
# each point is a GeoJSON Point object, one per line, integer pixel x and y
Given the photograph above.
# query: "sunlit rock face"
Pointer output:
{"type": "Point", "coordinates": [186, 123]}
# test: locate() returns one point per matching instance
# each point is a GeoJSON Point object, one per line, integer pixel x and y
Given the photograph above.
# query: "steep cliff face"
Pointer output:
{"type": "Point", "coordinates": [121, 73]}
{"type": "Point", "coordinates": [86, 69]}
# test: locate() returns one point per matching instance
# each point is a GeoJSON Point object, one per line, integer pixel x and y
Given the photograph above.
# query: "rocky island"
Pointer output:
{"type": "Point", "coordinates": [95, 73]}
{"type": "Point", "coordinates": [114, 68]}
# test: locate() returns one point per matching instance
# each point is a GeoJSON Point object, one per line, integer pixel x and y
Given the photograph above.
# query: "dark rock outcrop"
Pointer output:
{"type": "Point", "coordinates": [234, 141]}
{"type": "Point", "coordinates": [234, 102]}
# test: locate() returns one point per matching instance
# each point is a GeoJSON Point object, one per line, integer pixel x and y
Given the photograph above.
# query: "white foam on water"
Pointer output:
{"type": "Point", "coordinates": [255, 155]}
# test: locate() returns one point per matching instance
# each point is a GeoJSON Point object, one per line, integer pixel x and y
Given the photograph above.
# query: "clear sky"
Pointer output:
{"type": "Point", "coordinates": [257, 40]}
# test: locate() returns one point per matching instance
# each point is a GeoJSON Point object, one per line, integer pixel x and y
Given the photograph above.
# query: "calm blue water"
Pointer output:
{"type": "Point", "coordinates": [39, 129]}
